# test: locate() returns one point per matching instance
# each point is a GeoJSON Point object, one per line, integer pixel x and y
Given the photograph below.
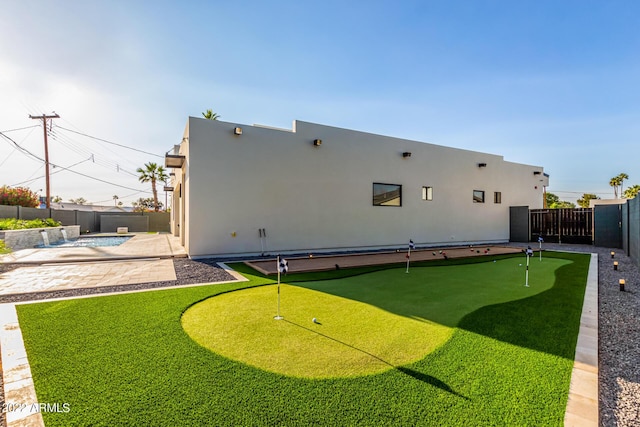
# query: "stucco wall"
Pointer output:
{"type": "Point", "coordinates": [320, 198]}
{"type": "Point", "coordinates": [29, 238]}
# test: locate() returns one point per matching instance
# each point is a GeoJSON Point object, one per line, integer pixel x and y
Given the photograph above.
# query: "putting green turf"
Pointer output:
{"type": "Point", "coordinates": [126, 360]}
{"type": "Point", "coordinates": [366, 324]}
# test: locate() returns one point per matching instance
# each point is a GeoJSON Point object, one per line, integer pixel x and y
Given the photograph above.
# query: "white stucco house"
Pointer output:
{"type": "Point", "coordinates": [249, 189]}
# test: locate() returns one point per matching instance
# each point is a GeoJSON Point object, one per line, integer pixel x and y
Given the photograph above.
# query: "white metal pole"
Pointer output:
{"type": "Point", "coordinates": [526, 280]}
{"type": "Point", "coordinates": [540, 242]}
{"type": "Point", "coordinates": [278, 317]}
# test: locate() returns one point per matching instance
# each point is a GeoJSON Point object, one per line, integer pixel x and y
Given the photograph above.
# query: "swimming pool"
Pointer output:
{"type": "Point", "coordinates": [89, 242]}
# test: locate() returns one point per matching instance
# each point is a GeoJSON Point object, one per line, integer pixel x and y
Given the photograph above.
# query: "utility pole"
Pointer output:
{"type": "Point", "coordinates": [44, 118]}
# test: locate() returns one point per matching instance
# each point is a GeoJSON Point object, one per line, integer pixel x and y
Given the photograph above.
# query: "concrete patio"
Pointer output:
{"type": "Point", "coordinates": [142, 245]}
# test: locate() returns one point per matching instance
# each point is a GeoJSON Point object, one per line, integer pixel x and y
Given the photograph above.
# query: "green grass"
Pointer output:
{"type": "Point", "coordinates": [369, 323]}
{"type": "Point", "coordinates": [352, 338]}
{"type": "Point", "coordinates": [125, 360]}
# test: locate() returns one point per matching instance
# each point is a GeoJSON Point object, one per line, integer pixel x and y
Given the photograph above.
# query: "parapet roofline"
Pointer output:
{"type": "Point", "coordinates": [273, 128]}
{"type": "Point", "coordinates": [297, 123]}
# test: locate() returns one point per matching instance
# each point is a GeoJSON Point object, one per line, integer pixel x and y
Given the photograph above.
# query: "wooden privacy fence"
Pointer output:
{"type": "Point", "coordinates": [562, 225]}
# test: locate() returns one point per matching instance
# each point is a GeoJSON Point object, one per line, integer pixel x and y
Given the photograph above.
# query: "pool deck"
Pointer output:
{"type": "Point", "coordinates": [142, 245]}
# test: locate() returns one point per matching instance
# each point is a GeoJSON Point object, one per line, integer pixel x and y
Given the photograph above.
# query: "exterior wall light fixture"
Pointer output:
{"type": "Point", "coordinates": [482, 165]}
{"type": "Point", "coordinates": [237, 131]}
{"type": "Point", "coordinates": [317, 142]}
{"type": "Point", "coordinates": [406, 154]}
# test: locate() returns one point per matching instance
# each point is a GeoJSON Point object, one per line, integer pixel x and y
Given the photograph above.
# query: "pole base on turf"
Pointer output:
{"type": "Point", "coordinates": [278, 317]}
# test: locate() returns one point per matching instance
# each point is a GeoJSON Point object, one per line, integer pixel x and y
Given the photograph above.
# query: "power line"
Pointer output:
{"type": "Point", "coordinates": [123, 197]}
{"type": "Point", "coordinates": [30, 179]}
{"type": "Point", "coordinates": [7, 158]}
{"type": "Point", "coordinates": [52, 173]}
{"type": "Point", "coordinates": [23, 139]}
{"type": "Point", "coordinates": [80, 149]}
{"type": "Point", "coordinates": [102, 180]}
{"type": "Point", "coordinates": [109, 142]}
{"type": "Point", "coordinates": [24, 150]}
{"type": "Point", "coordinates": [27, 127]}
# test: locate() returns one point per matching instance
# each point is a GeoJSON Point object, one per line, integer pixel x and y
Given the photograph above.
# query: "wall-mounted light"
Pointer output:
{"type": "Point", "coordinates": [537, 172]}
{"type": "Point", "coordinates": [168, 188]}
{"type": "Point", "coordinates": [406, 154]}
{"type": "Point", "coordinates": [317, 142]}
{"type": "Point", "coordinates": [482, 165]}
{"type": "Point", "coordinates": [237, 131]}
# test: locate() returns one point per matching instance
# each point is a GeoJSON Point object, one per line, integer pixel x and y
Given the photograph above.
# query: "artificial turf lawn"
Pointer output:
{"type": "Point", "coordinates": [368, 324]}
{"type": "Point", "coordinates": [125, 360]}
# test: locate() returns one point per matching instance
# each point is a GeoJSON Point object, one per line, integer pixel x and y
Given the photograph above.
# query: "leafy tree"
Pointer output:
{"type": "Point", "coordinates": [563, 205]}
{"type": "Point", "coordinates": [210, 115]}
{"type": "Point", "coordinates": [56, 199]}
{"type": "Point", "coordinates": [79, 201]}
{"type": "Point", "coordinates": [551, 199]}
{"type": "Point", "coordinates": [554, 202]}
{"type": "Point", "coordinates": [632, 191]}
{"type": "Point", "coordinates": [584, 200]}
{"type": "Point", "coordinates": [153, 173]}
{"type": "Point", "coordinates": [18, 196]}
{"type": "Point", "coordinates": [145, 205]}
{"type": "Point", "coordinates": [616, 182]}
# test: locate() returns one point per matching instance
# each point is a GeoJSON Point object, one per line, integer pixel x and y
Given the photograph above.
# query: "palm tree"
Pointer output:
{"type": "Point", "coordinates": [210, 115]}
{"type": "Point", "coordinates": [152, 173]}
{"type": "Point", "coordinates": [115, 200]}
{"type": "Point", "coordinates": [616, 182]}
{"type": "Point", "coordinates": [79, 201]}
{"type": "Point", "coordinates": [632, 191]}
{"type": "Point", "coordinates": [622, 177]}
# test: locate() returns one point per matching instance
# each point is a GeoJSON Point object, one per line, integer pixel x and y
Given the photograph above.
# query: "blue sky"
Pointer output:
{"type": "Point", "coordinates": [549, 83]}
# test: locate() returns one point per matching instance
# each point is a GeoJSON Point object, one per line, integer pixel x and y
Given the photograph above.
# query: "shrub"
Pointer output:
{"type": "Point", "coordinates": [19, 224]}
{"type": "Point", "coordinates": [3, 248]}
{"type": "Point", "coordinates": [18, 196]}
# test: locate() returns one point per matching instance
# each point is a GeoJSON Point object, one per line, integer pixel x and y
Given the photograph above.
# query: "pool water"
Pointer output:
{"type": "Point", "coordinates": [89, 242]}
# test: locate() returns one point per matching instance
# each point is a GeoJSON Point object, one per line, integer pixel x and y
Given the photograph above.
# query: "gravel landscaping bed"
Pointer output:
{"type": "Point", "coordinates": [188, 272]}
{"type": "Point", "coordinates": [619, 323]}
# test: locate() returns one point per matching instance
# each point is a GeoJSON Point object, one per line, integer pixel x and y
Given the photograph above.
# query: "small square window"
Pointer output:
{"type": "Point", "coordinates": [427, 193]}
{"type": "Point", "coordinates": [497, 197]}
{"type": "Point", "coordinates": [478, 196]}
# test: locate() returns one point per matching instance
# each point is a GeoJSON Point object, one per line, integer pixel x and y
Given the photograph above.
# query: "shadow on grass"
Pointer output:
{"type": "Point", "coordinates": [420, 376]}
{"type": "Point", "coordinates": [547, 321]}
